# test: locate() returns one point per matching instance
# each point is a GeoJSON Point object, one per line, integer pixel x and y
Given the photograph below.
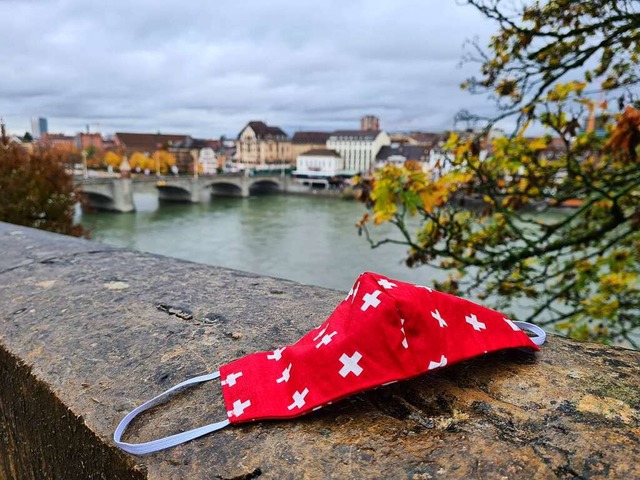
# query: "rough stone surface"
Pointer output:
{"type": "Point", "coordinates": [87, 332]}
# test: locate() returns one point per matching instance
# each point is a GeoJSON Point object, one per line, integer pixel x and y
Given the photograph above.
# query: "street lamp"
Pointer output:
{"type": "Point", "coordinates": [85, 170]}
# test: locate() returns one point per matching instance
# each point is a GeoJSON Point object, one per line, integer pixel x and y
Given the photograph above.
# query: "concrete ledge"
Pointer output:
{"type": "Point", "coordinates": [82, 341]}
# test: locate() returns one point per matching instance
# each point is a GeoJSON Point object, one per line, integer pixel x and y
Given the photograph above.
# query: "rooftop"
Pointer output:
{"type": "Point", "coordinates": [410, 152]}
{"type": "Point", "coordinates": [321, 152]}
{"type": "Point", "coordinates": [147, 142]}
{"type": "Point", "coordinates": [262, 130]}
{"type": "Point", "coordinates": [310, 137]}
{"type": "Point", "coordinates": [354, 134]}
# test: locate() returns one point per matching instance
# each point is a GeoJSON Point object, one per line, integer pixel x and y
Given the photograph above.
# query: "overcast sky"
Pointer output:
{"type": "Point", "coordinates": [207, 67]}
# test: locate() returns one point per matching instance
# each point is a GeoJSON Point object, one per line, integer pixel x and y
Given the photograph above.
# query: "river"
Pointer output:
{"type": "Point", "coordinates": [308, 239]}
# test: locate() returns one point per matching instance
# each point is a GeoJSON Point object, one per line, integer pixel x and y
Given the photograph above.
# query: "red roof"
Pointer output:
{"type": "Point", "coordinates": [319, 138]}
{"type": "Point", "coordinates": [147, 142]}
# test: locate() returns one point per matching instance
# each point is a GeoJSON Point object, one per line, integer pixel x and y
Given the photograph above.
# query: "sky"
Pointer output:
{"type": "Point", "coordinates": [207, 67]}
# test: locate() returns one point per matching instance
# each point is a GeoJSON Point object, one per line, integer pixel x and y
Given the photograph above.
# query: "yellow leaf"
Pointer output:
{"type": "Point", "coordinates": [538, 144]}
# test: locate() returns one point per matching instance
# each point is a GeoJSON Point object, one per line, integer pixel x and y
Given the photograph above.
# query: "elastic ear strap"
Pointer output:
{"type": "Point", "coordinates": [166, 442]}
{"type": "Point", "coordinates": [540, 334]}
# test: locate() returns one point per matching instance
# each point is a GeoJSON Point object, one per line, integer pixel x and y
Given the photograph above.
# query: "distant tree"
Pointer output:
{"type": "Point", "coordinates": [579, 270]}
{"type": "Point", "coordinates": [141, 161]}
{"type": "Point", "coordinates": [36, 190]}
{"type": "Point", "coordinates": [27, 138]}
{"type": "Point", "coordinates": [95, 157]}
{"type": "Point", "coordinates": [164, 160]}
{"type": "Point", "coordinates": [112, 159]}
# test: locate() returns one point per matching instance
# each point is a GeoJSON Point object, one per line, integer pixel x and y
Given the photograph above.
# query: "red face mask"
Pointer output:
{"type": "Point", "coordinates": [384, 331]}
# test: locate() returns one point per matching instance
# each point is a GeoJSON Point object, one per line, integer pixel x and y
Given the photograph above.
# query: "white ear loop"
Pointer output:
{"type": "Point", "coordinates": [166, 442]}
{"type": "Point", "coordinates": [540, 334]}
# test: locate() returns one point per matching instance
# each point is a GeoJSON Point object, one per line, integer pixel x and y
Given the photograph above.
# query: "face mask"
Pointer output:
{"type": "Point", "coordinates": [383, 332]}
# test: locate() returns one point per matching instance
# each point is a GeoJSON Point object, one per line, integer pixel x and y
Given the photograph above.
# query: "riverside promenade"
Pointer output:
{"type": "Point", "coordinates": [88, 331]}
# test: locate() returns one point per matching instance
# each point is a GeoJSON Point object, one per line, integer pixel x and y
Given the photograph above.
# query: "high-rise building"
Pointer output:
{"type": "Point", "coordinates": [39, 127]}
{"type": "Point", "coordinates": [370, 123]}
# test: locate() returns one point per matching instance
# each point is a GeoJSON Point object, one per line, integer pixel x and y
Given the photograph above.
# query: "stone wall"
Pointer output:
{"type": "Point", "coordinates": [87, 332]}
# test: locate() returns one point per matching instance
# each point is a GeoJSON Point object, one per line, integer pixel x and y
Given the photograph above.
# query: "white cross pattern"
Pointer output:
{"type": "Point", "coordinates": [230, 381]}
{"type": "Point", "coordinates": [512, 325]}
{"type": "Point", "coordinates": [353, 293]}
{"type": "Point", "coordinates": [298, 399]}
{"type": "Point", "coordinates": [320, 334]}
{"type": "Point", "coordinates": [370, 300]}
{"type": "Point", "coordinates": [441, 363]}
{"type": "Point", "coordinates": [386, 284]}
{"type": "Point", "coordinates": [405, 344]}
{"type": "Point", "coordinates": [238, 408]}
{"type": "Point", "coordinates": [436, 314]}
{"type": "Point", "coordinates": [285, 375]}
{"type": "Point", "coordinates": [475, 323]}
{"type": "Point", "coordinates": [326, 340]}
{"type": "Point", "coordinates": [277, 354]}
{"type": "Point", "coordinates": [350, 364]}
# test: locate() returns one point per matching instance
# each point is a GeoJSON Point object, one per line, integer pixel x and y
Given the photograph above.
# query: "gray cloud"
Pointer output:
{"type": "Point", "coordinates": [206, 68]}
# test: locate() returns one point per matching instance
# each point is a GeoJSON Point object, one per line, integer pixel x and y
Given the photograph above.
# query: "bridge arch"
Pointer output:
{"type": "Point", "coordinates": [264, 186]}
{"type": "Point", "coordinates": [224, 188]}
{"type": "Point", "coordinates": [174, 193]}
{"type": "Point", "coordinates": [97, 200]}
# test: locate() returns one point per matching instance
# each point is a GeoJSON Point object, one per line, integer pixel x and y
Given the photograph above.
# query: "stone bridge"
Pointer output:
{"type": "Point", "coordinates": [191, 189]}
{"type": "Point", "coordinates": [116, 194]}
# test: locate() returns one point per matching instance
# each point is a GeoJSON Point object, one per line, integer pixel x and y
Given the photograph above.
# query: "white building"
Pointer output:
{"type": "Point", "coordinates": [398, 154]}
{"type": "Point", "coordinates": [358, 148]}
{"type": "Point", "coordinates": [319, 163]}
{"type": "Point", "coordinates": [207, 158]}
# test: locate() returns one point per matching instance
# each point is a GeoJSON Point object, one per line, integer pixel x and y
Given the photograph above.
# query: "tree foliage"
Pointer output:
{"type": "Point", "coordinates": [163, 160]}
{"type": "Point", "coordinates": [141, 161]}
{"type": "Point", "coordinates": [577, 269]}
{"type": "Point", "coordinates": [112, 159]}
{"type": "Point", "coordinates": [36, 190]}
{"type": "Point", "coordinates": [540, 44]}
{"type": "Point", "coordinates": [95, 157]}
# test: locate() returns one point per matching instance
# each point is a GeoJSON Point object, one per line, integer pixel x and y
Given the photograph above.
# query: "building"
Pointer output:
{"type": "Point", "coordinates": [427, 139]}
{"type": "Point", "coordinates": [358, 148]}
{"type": "Point", "coordinates": [403, 139]}
{"type": "Point", "coordinates": [84, 141]}
{"type": "Point", "coordinates": [370, 123]}
{"type": "Point", "coordinates": [319, 162]}
{"type": "Point", "coordinates": [146, 143]}
{"type": "Point", "coordinates": [304, 141]}
{"type": "Point", "coordinates": [398, 154]}
{"type": "Point", "coordinates": [189, 151]}
{"type": "Point", "coordinates": [259, 145]}
{"type": "Point", "coordinates": [59, 140]}
{"type": "Point", "coordinates": [39, 127]}
{"type": "Point", "coordinates": [208, 161]}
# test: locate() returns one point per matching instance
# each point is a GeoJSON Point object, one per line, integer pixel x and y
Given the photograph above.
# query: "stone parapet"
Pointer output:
{"type": "Point", "coordinates": [87, 332]}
